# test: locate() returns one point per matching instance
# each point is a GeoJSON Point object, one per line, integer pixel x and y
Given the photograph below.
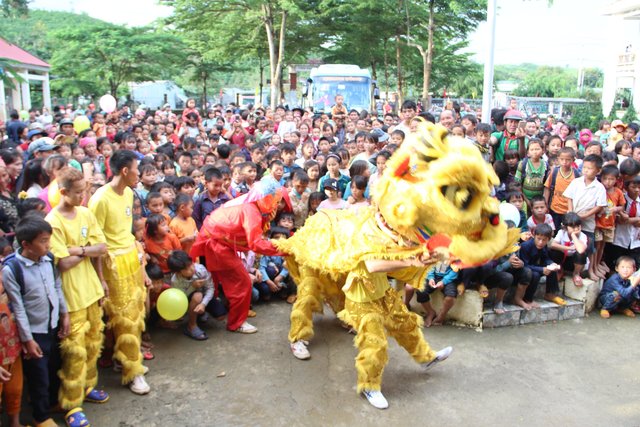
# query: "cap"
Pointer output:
{"type": "Point", "coordinates": [66, 122]}
{"type": "Point", "coordinates": [331, 183]}
{"type": "Point", "coordinates": [618, 122]}
{"type": "Point", "coordinates": [35, 132]}
{"type": "Point", "coordinates": [382, 136]}
{"type": "Point", "coordinates": [42, 144]}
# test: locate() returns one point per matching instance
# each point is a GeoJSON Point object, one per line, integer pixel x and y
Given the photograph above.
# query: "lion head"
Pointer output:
{"type": "Point", "coordinates": [437, 184]}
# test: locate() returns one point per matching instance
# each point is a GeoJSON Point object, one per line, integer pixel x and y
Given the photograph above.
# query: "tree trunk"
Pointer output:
{"type": "Point", "coordinates": [386, 72]}
{"type": "Point", "coordinates": [428, 61]}
{"type": "Point", "coordinates": [273, 61]}
{"type": "Point", "coordinates": [204, 92]}
{"type": "Point", "coordinates": [279, 65]}
{"type": "Point", "coordinates": [400, 97]}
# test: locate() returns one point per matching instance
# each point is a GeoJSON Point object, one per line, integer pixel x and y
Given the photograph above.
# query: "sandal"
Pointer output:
{"type": "Point", "coordinates": [577, 281]}
{"type": "Point", "coordinates": [147, 355]}
{"type": "Point", "coordinates": [76, 418]}
{"type": "Point", "coordinates": [96, 396]}
{"type": "Point", "coordinates": [196, 334]}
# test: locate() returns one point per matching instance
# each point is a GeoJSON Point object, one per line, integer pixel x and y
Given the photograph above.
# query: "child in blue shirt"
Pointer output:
{"type": "Point", "coordinates": [535, 255]}
{"type": "Point", "coordinates": [620, 291]}
{"type": "Point", "coordinates": [40, 312]}
{"type": "Point", "coordinates": [274, 274]}
{"type": "Point", "coordinates": [443, 277]}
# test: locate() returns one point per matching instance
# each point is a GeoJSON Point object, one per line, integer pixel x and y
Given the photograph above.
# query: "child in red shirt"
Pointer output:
{"type": "Point", "coordinates": [606, 219]}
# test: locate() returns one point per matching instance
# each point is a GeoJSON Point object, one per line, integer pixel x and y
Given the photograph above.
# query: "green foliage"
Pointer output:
{"type": "Point", "coordinates": [11, 8]}
{"type": "Point", "coordinates": [612, 114]}
{"type": "Point", "coordinates": [552, 82]}
{"type": "Point", "coordinates": [33, 32]}
{"type": "Point", "coordinates": [630, 114]}
{"type": "Point", "coordinates": [93, 59]}
{"type": "Point", "coordinates": [587, 115]}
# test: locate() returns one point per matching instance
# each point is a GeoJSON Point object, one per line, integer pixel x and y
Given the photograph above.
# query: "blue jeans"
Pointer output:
{"type": "Point", "coordinates": [612, 301]}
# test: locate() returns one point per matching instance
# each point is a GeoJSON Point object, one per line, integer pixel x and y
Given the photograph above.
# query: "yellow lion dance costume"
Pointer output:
{"type": "Point", "coordinates": [433, 201]}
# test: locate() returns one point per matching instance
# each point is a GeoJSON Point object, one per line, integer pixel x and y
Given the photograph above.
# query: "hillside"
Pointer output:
{"type": "Point", "coordinates": [31, 32]}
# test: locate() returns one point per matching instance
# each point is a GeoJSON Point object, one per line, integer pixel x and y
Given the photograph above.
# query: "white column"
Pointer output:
{"type": "Point", "coordinates": [487, 90]}
{"type": "Point", "coordinates": [3, 106]}
{"type": "Point", "coordinates": [46, 92]}
{"type": "Point", "coordinates": [25, 91]}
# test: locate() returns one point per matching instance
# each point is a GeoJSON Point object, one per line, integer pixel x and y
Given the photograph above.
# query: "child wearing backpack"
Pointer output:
{"type": "Point", "coordinates": [532, 171]}
{"type": "Point", "coordinates": [558, 181]}
{"type": "Point", "coordinates": [42, 318]}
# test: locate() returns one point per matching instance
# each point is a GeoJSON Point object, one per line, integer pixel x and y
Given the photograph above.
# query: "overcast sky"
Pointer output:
{"type": "Point", "coordinates": [567, 33]}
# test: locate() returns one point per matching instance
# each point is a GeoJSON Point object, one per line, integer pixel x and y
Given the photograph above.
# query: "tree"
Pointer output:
{"type": "Point", "coordinates": [90, 59]}
{"type": "Point", "coordinates": [230, 27]}
{"type": "Point", "coordinates": [587, 115]}
{"type": "Point", "coordinates": [14, 7]}
{"type": "Point", "coordinates": [448, 21]}
{"type": "Point", "coordinates": [630, 114]}
{"type": "Point", "coordinates": [551, 82]}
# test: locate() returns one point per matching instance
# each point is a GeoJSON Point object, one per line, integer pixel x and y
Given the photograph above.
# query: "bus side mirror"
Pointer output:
{"type": "Point", "coordinates": [306, 88]}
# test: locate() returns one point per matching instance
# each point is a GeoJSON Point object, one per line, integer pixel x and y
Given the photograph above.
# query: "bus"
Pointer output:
{"type": "Point", "coordinates": [350, 81]}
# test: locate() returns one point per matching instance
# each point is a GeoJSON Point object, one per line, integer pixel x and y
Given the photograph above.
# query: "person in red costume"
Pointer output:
{"type": "Point", "coordinates": [239, 226]}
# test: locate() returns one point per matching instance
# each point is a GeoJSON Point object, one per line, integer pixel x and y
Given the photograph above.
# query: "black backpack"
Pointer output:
{"type": "Point", "coordinates": [552, 184]}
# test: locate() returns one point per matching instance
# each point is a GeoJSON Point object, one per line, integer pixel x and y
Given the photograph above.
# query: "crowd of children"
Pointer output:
{"type": "Point", "coordinates": [104, 220]}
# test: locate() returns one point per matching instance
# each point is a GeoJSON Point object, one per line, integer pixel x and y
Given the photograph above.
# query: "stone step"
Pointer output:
{"type": "Point", "coordinates": [547, 311]}
{"type": "Point", "coordinates": [472, 311]}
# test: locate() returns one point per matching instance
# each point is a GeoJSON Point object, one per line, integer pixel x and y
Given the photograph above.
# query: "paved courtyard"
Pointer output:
{"type": "Point", "coordinates": [574, 373]}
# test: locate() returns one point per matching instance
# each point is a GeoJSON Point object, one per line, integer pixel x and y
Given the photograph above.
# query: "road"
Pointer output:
{"type": "Point", "coordinates": [574, 373]}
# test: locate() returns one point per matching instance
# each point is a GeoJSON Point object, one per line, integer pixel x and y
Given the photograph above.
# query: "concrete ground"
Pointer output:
{"type": "Point", "coordinates": [574, 373]}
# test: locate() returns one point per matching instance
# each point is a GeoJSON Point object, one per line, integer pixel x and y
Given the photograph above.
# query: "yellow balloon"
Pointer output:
{"type": "Point", "coordinates": [53, 194]}
{"type": "Point", "coordinates": [172, 304]}
{"type": "Point", "coordinates": [81, 123]}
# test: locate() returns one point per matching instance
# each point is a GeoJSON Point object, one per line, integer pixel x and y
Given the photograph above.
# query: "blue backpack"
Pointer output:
{"type": "Point", "coordinates": [16, 268]}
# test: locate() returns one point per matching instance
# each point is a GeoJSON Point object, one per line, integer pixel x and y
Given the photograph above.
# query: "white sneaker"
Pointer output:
{"type": "Point", "coordinates": [299, 349]}
{"type": "Point", "coordinates": [139, 385]}
{"type": "Point", "coordinates": [117, 367]}
{"type": "Point", "coordinates": [247, 328]}
{"type": "Point", "coordinates": [441, 356]}
{"type": "Point", "coordinates": [376, 399]}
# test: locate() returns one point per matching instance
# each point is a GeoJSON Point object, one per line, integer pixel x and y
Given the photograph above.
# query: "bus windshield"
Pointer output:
{"type": "Point", "coordinates": [356, 91]}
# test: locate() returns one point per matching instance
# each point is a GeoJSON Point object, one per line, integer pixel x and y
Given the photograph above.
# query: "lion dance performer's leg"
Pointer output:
{"type": "Point", "coordinates": [125, 308]}
{"type": "Point", "coordinates": [371, 320]}
{"type": "Point", "coordinates": [79, 351]}
{"type": "Point", "coordinates": [309, 301]}
{"type": "Point", "coordinates": [313, 288]}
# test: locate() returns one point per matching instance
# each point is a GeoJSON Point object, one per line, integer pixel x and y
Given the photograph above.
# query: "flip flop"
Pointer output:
{"type": "Point", "coordinates": [76, 418]}
{"type": "Point", "coordinates": [196, 334]}
{"type": "Point", "coordinates": [96, 396]}
{"type": "Point", "coordinates": [147, 355]}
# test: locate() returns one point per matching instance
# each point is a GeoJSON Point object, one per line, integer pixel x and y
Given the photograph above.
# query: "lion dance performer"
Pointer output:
{"type": "Point", "coordinates": [239, 226]}
{"type": "Point", "coordinates": [77, 242]}
{"type": "Point", "coordinates": [112, 205]}
{"type": "Point", "coordinates": [432, 203]}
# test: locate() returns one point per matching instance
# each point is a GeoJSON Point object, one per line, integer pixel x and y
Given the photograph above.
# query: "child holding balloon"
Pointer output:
{"type": "Point", "coordinates": [194, 278]}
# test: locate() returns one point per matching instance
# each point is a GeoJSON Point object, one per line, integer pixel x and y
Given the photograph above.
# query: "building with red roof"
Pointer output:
{"type": "Point", "coordinates": [31, 70]}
